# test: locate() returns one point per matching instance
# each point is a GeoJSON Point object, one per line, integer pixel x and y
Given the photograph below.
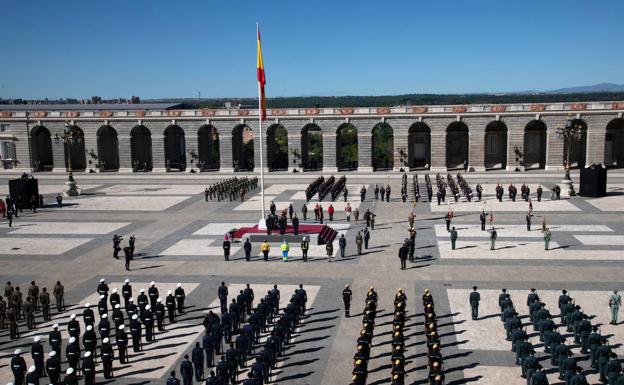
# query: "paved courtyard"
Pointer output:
{"type": "Point", "coordinates": [179, 239]}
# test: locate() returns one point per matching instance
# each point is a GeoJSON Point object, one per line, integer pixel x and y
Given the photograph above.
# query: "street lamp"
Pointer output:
{"type": "Point", "coordinates": [571, 131]}
{"type": "Point", "coordinates": [68, 138]}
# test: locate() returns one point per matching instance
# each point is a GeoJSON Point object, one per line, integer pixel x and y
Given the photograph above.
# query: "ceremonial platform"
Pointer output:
{"type": "Point", "coordinates": [321, 233]}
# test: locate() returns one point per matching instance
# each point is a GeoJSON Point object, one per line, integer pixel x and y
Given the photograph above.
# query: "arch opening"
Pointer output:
{"type": "Point", "coordinates": [277, 148]}
{"type": "Point", "coordinates": [242, 148]}
{"type": "Point", "coordinates": [534, 152]}
{"type": "Point", "coordinates": [382, 147]}
{"type": "Point", "coordinates": [208, 148]}
{"type": "Point", "coordinates": [614, 144]}
{"type": "Point", "coordinates": [419, 146]}
{"type": "Point", "coordinates": [347, 147]}
{"type": "Point", "coordinates": [41, 147]}
{"type": "Point", "coordinates": [75, 152]}
{"type": "Point", "coordinates": [175, 149]}
{"type": "Point", "coordinates": [311, 148]}
{"type": "Point", "coordinates": [495, 146]}
{"type": "Point", "coordinates": [108, 149]}
{"type": "Point", "coordinates": [141, 149]}
{"type": "Point", "coordinates": [457, 146]}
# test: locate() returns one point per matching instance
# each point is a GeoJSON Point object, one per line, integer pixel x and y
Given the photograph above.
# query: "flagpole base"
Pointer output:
{"type": "Point", "coordinates": [262, 224]}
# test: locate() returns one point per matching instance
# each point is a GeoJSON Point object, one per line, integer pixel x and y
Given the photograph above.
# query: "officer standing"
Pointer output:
{"type": "Point", "coordinates": [108, 355]}
{"type": "Point", "coordinates": [342, 244]}
{"type": "Point", "coordinates": [403, 251]}
{"type": "Point", "coordinates": [172, 380]}
{"type": "Point", "coordinates": [358, 242]}
{"type": "Point", "coordinates": [614, 304]}
{"type": "Point", "coordinates": [197, 356]}
{"type": "Point", "coordinates": [127, 257]}
{"type": "Point", "coordinates": [482, 218]}
{"type": "Point", "coordinates": [493, 236]}
{"type": "Point", "coordinates": [186, 371]}
{"type": "Point", "coordinates": [453, 238]}
{"type": "Point", "coordinates": [152, 293]}
{"type": "Point", "coordinates": [222, 293]}
{"type": "Point", "coordinates": [346, 299]}
{"type": "Point", "coordinates": [226, 254]}
{"type": "Point", "coordinates": [247, 248]}
{"type": "Point", "coordinates": [171, 306]}
{"type": "Point", "coordinates": [53, 367]}
{"type": "Point", "coordinates": [44, 301]}
{"type": "Point", "coordinates": [366, 237]}
{"type": "Point", "coordinates": [180, 296]}
{"type": "Point", "coordinates": [474, 299]}
{"type": "Point", "coordinates": [122, 344]}
{"type": "Point", "coordinates": [88, 368]}
{"type": "Point", "coordinates": [126, 292]}
{"type": "Point", "coordinates": [135, 332]}
{"type": "Point", "coordinates": [148, 321]}
{"type": "Point", "coordinates": [547, 237]}
{"type": "Point", "coordinates": [36, 351]}
{"type": "Point", "coordinates": [160, 315]}
{"type": "Point", "coordinates": [59, 296]}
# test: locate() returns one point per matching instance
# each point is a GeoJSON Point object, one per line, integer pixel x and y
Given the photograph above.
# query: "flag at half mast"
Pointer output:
{"type": "Point", "coordinates": [261, 79]}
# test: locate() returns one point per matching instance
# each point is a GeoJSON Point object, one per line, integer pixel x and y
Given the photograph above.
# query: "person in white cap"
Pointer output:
{"type": "Point", "coordinates": [70, 377]}
{"type": "Point", "coordinates": [104, 326]}
{"type": "Point", "coordinates": [102, 305]}
{"type": "Point", "coordinates": [126, 292]}
{"type": "Point", "coordinates": [32, 378]}
{"type": "Point", "coordinates": [73, 327]}
{"type": "Point", "coordinates": [152, 293]}
{"type": "Point", "coordinates": [36, 351]}
{"type": "Point", "coordinates": [108, 355]}
{"type": "Point", "coordinates": [148, 321]}
{"type": "Point", "coordinates": [122, 343]}
{"type": "Point", "coordinates": [132, 308]}
{"type": "Point", "coordinates": [135, 332]}
{"type": "Point", "coordinates": [114, 298]}
{"type": "Point", "coordinates": [159, 312]}
{"type": "Point", "coordinates": [89, 340]}
{"type": "Point", "coordinates": [180, 296]}
{"type": "Point", "coordinates": [53, 367]}
{"type": "Point", "coordinates": [18, 367]}
{"type": "Point", "coordinates": [87, 315]}
{"type": "Point", "coordinates": [88, 368]}
{"type": "Point", "coordinates": [55, 340]}
{"type": "Point", "coordinates": [142, 301]}
{"type": "Point", "coordinates": [102, 288]}
{"type": "Point", "coordinates": [118, 316]}
{"type": "Point", "coordinates": [72, 352]}
{"type": "Point", "coordinates": [170, 303]}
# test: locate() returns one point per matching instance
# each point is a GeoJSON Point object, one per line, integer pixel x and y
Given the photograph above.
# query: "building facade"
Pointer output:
{"type": "Point", "coordinates": [163, 138]}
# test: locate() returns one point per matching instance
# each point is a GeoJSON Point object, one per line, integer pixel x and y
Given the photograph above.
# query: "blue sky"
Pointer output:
{"type": "Point", "coordinates": [152, 48]}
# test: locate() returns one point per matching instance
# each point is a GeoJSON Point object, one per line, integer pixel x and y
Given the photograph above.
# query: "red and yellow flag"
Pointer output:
{"type": "Point", "coordinates": [261, 79]}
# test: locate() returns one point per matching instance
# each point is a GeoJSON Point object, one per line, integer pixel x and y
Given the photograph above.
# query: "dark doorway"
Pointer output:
{"type": "Point", "coordinates": [141, 149]}
{"type": "Point", "coordinates": [347, 147]}
{"type": "Point", "coordinates": [495, 146]}
{"type": "Point", "coordinates": [41, 146]}
{"type": "Point", "coordinates": [419, 146]}
{"type": "Point", "coordinates": [578, 146]}
{"type": "Point", "coordinates": [614, 144]}
{"type": "Point", "coordinates": [242, 148]}
{"type": "Point", "coordinates": [277, 148]}
{"type": "Point", "coordinates": [208, 144]}
{"type": "Point", "coordinates": [175, 149]}
{"type": "Point", "coordinates": [456, 146]}
{"type": "Point", "coordinates": [383, 147]}
{"type": "Point", "coordinates": [312, 148]}
{"type": "Point", "coordinates": [108, 149]}
{"type": "Point", "coordinates": [534, 152]}
{"type": "Point", "coordinates": [75, 151]}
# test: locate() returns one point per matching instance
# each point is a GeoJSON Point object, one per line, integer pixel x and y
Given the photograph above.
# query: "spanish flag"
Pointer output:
{"type": "Point", "coordinates": [261, 78]}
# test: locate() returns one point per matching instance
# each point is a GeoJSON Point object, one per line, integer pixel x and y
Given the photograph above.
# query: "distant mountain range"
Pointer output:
{"type": "Point", "coordinates": [601, 87]}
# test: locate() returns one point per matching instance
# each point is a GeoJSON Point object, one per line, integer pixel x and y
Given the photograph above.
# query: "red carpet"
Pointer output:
{"type": "Point", "coordinates": [327, 233]}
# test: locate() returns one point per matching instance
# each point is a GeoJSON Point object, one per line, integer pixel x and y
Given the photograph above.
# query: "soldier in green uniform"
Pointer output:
{"type": "Point", "coordinates": [453, 238]}
{"type": "Point", "coordinates": [493, 236]}
{"type": "Point", "coordinates": [474, 299]}
{"type": "Point", "coordinates": [547, 237]}
{"type": "Point", "coordinates": [614, 303]}
{"type": "Point", "coordinates": [44, 302]}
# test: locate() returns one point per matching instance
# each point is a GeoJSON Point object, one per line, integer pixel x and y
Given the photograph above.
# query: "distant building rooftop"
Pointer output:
{"type": "Point", "coordinates": [83, 107]}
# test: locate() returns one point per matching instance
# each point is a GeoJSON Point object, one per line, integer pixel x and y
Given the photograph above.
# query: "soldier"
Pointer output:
{"type": "Point", "coordinates": [614, 304]}
{"type": "Point", "coordinates": [3, 313]}
{"type": "Point", "coordinates": [33, 294]}
{"type": "Point", "coordinates": [17, 302]}
{"type": "Point", "coordinates": [88, 368]}
{"type": "Point", "coordinates": [613, 369]}
{"type": "Point", "coordinates": [304, 211]}
{"type": "Point", "coordinates": [474, 299]}
{"type": "Point", "coordinates": [70, 376]}
{"type": "Point", "coordinates": [55, 340]}
{"type": "Point", "coordinates": [247, 248]}
{"type": "Point", "coordinates": [29, 312]}
{"type": "Point", "coordinates": [44, 301]}
{"type": "Point", "coordinates": [603, 353]}
{"type": "Point", "coordinates": [170, 303]}
{"type": "Point", "coordinates": [122, 343]}
{"type": "Point", "coordinates": [135, 333]}
{"type": "Point", "coordinates": [118, 317]}
{"type": "Point", "coordinates": [104, 326]}
{"type": "Point", "coordinates": [197, 356]}
{"type": "Point", "coordinates": [59, 296]}
{"type": "Point", "coordinates": [73, 327]}
{"type": "Point", "coordinates": [89, 340]}
{"type": "Point", "coordinates": [160, 315]}
{"type": "Point", "coordinates": [36, 352]}
{"type": "Point", "coordinates": [102, 306]}
{"type": "Point", "coordinates": [142, 301]}
{"type": "Point", "coordinates": [108, 355]}
{"type": "Point", "coordinates": [53, 368]}
{"type": "Point", "coordinates": [114, 298]}
{"type": "Point", "coordinates": [358, 242]}
{"type": "Point", "coordinates": [127, 257]}
{"type": "Point", "coordinates": [116, 241]}
{"type": "Point", "coordinates": [180, 296]}
{"type": "Point", "coordinates": [172, 380]}
{"type": "Point", "coordinates": [403, 253]}
{"type": "Point", "coordinates": [87, 315]}
{"type": "Point", "coordinates": [126, 292]}
{"type": "Point", "coordinates": [346, 299]}
{"type": "Point", "coordinates": [226, 251]}
{"type": "Point", "coordinates": [482, 218]}
{"type": "Point", "coordinates": [152, 293]}
{"type": "Point", "coordinates": [72, 353]}
{"type": "Point", "coordinates": [547, 236]}
{"type": "Point", "coordinates": [148, 321]}
{"type": "Point", "coordinates": [453, 238]}
{"type": "Point", "coordinates": [186, 371]}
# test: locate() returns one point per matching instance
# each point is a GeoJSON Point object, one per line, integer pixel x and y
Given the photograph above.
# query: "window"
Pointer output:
{"type": "Point", "coordinates": [7, 150]}
{"type": "Point", "coordinates": [492, 144]}
{"type": "Point", "coordinates": [4, 127]}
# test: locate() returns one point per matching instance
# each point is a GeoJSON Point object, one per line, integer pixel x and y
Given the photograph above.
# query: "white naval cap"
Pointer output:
{"type": "Point", "coordinates": [69, 371]}
{"type": "Point", "coordinates": [152, 283]}
{"type": "Point", "coordinates": [89, 327]}
{"type": "Point", "coordinates": [105, 340]}
{"type": "Point", "coordinates": [130, 300]}
{"type": "Point", "coordinates": [104, 315]}
{"type": "Point", "coordinates": [117, 306]}
{"type": "Point", "coordinates": [121, 327]}
{"type": "Point", "coordinates": [72, 340]}
{"type": "Point", "coordinates": [55, 326]}
{"type": "Point", "coordinates": [135, 316]}
{"type": "Point", "coordinates": [114, 290]}
{"type": "Point", "coordinates": [179, 285]}
{"type": "Point", "coordinates": [52, 354]}
{"type": "Point", "coordinates": [102, 280]}
{"type": "Point", "coordinates": [169, 292]}
{"type": "Point", "coordinates": [32, 369]}
{"type": "Point", "coordinates": [72, 316]}
{"type": "Point", "coordinates": [142, 290]}
{"type": "Point", "coordinates": [87, 305]}
{"type": "Point", "coordinates": [158, 300]}
{"type": "Point", "coordinates": [127, 280]}
{"type": "Point", "coordinates": [87, 354]}
{"type": "Point", "coordinates": [101, 296]}
{"type": "Point", "coordinates": [17, 351]}
{"type": "Point", "coordinates": [37, 339]}
{"type": "Point", "coordinates": [147, 307]}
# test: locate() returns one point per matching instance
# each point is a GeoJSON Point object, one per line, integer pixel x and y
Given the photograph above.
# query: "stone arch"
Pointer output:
{"type": "Point", "coordinates": [277, 148]}
{"type": "Point", "coordinates": [614, 144]}
{"type": "Point", "coordinates": [242, 148]}
{"type": "Point", "coordinates": [578, 153]}
{"type": "Point", "coordinates": [382, 147]}
{"type": "Point", "coordinates": [347, 147]}
{"type": "Point", "coordinates": [419, 146]}
{"type": "Point", "coordinates": [208, 148]}
{"type": "Point", "coordinates": [534, 151]}
{"type": "Point", "coordinates": [175, 148]}
{"type": "Point", "coordinates": [141, 149]}
{"type": "Point", "coordinates": [75, 152]}
{"type": "Point", "coordinates": [108, 148]}
{"type": "Point", "coordinates": [41, 147]}
{"type": "Point", "coordinates": [495, 145]}
{"type": "Point", "coordinates": [457, 145]}
{"type": "Point", "coordinates": [312, 147]}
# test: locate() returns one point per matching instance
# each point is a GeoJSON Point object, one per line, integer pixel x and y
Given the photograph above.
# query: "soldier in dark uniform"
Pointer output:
{"type": "Point", "coordinates": [17, 302]}
{"type": "Point", "coordinates": [89, 340]}
{"type": "Point", "coordinates": [36, 352]}
{"type": "Point", "coordinates": [126, 292]}
{"type": "Point", "coordinates": [108, 356]}
{"type": "Point", "coordinates": [148, 321]}
{"type": "Point", "coordinates": [114, 298]}
{"type": "Point", "coordinates": [403, 253]}
{"type": "Point", "coordinates": [208, 346]}
{"type": "Point", "coordinates": [142, 301]}
{"type": "Point", "coordinates": [131, 242]}
{"type": "Point", "coordinates": [474, 299]}
{"type": "Point", "coordinates": [160, 315]}
{"type": "Point", "coordinates": [453, 238]}
{"type": "Point", "coordinates": [73, 327]}
{"type": "Point", "coordinates": [72, 353]}
{"type": "Point", "coordinates": [87, 315]}
{"type": "Point", "coordinates": [104, 326]}
{"type": "Point", "coordinates": [346, 299]}
{"type": "Point", "coordinates": [226, 249]}
{"type": "Point", "coordinates": [136, 332]}
{"type": "Point", "coordinates": [116, 241]}
{"type": "Point", "coordinates": [118, 316]}
{"type": "Point", "coordinates": [59, 296]}
{"type": "Point", "coordinates": [88, 368]}
{"type": "Point", "coordinates": [3, 310]}
{"type": "Point", "coordinates": [53, 368]}
{"type": "Point", "coordinates": [33, 294]}
{"type": "Point", "coordinates": [222, 293]}
{"type": "Point", "coordinates": [102, 306]}
{"type": "Point", "coordinates": [32, 378]}
{"type": "Point", "coordinates": [172, 380]}
{"type": "Point", "coordinates": [55, 340]}
{"type": "Point", "coordinates": [127, 257]}
{"type": "Point", "coordinates": [122, 344]}
{"type": "Point", "coordinates": [613, 369]}
{"type": "Point", "coordinates": [247, 248]}
{"type": "Point", "coordinates": [186, 371]}
{"type": "Point", "coordinates": [170, 303]}
{"type": "Point", "coordinates": [70, 377]}
{"type": "Point", "coordinates": [180, 296]}
{"type": "Point", "coordinates": [44, 302]}
{"type": "Point", "coordinates": [29, 312]}
{"type": "Point", "coordinates": [197, 356]}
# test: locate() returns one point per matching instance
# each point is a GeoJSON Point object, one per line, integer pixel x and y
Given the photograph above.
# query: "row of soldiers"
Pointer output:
{"type": "Point", "coordinates": [313, 187]}
{"type": "Point", "coordinates": [465, 187]}
{"type": "Point", "coordinates": [397, 355]}
{"type": "Point", "coordinates": [142, 317]}
{"type": "Point", "coordinates": [233, 188]}
{"type": "Point", "coordinates": [247, 322]}
{"type": "Point", "coordinates": [383, 192]}
{"type": "Point", "coordinates": [365, 340]}
{"type": "Point", "coordinates": [16, 307]}
{"type": "Point", "coordinates": [435, 361]}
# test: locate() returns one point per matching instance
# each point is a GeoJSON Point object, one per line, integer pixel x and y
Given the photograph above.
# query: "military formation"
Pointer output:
{"type": "Point", "coordinates": [573, 330]}
{"type": "Point", "coordinates": [231, 188]}
{"type": "Point", "coordinates": [15, 306]}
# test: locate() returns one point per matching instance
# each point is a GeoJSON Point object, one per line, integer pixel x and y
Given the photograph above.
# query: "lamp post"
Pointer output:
{"type": "Point", "coordinates": [69, 138]}
{"type": "Point", "coordinates": [569, 132]}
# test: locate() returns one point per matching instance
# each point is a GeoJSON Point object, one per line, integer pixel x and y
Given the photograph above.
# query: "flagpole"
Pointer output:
{"type": "Point", "coordinates": [261, 142]}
